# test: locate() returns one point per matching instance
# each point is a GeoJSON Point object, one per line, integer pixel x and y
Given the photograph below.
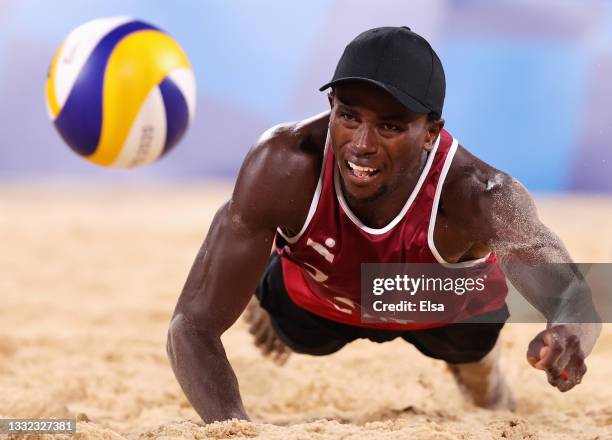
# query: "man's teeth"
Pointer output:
{"type": "Point", "coordinates": [355, 167]}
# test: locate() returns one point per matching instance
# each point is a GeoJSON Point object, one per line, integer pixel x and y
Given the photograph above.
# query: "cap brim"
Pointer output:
{"type": "Point", "coordinates": [405, 99]}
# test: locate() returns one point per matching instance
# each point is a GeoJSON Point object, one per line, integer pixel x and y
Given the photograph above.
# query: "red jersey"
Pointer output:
{"type": "Point", "coordinates": [322, 263]}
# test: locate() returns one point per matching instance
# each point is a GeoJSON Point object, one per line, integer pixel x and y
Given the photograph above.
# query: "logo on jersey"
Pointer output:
{"type": "Point", "coordinates": [322, 250]}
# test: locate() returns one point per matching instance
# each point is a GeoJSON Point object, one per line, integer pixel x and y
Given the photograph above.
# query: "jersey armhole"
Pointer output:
{"type": "Point", "coordinates": [315, 199]}
{"type": "Point", "coordinates": [434, 213]}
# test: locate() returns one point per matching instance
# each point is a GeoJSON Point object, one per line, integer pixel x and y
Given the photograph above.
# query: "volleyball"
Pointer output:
{"type": "Point", "coordinates": [120, 92]}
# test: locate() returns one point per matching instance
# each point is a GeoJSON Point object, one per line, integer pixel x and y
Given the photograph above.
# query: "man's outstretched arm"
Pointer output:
{"type": "Point", "coordinates": [274, 188]}
{"type": "Point", "coordinates": [219, 286]}
{"type": "Point", "coordinates": [538, 265]}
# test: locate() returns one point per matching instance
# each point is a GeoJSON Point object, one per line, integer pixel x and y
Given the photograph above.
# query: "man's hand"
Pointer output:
{"type": "Point", "coordinates": [560, 350]}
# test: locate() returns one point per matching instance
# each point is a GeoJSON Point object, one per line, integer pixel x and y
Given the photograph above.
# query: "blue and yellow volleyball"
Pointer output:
{"type": "Point", "coordinates": [120, 92]}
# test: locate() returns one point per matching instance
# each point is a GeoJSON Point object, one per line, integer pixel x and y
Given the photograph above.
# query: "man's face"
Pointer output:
{"type": "Point", "coordinates": [377, 141]}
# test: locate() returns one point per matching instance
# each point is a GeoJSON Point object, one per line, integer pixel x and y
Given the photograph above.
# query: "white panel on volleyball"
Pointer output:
{"type": "Point", "coordinates": [76, 48]}
{"type": "Point", "coordinates": [185, 81]}
{"type": "Point", "coordinates": [147, 136]}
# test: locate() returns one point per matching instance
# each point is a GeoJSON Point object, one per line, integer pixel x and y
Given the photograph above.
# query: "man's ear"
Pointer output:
{"type": "Point", "coordinates": [330, 98]}
{"type": "Point", "coordinates": [433, 131]}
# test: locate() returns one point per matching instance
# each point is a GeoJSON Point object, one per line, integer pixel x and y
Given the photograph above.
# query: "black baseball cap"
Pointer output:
{"type": "Point", "coordinates": [399, 61]}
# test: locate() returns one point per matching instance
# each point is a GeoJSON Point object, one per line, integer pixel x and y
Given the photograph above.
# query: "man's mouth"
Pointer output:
{"type": "Point", "coordinates": [361, 172]}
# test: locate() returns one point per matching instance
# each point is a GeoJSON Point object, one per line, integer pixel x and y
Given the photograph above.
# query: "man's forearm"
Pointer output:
{"type": "Point", "coordinates": [557, 290]}
{"type": "Point", "coordinates": [561, 294]}
{"type": "Point", "coordinates": [204, 373]}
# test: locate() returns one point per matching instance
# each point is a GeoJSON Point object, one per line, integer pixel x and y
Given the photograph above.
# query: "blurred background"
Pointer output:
{"type": "Point", "coordinates": [93, 259]}
{"type": "Point", "coordinates": [528, 82]}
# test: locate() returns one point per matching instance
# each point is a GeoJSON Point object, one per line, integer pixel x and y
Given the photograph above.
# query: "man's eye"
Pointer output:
{"type": "Point", "coordinates": [347, 116]}
{"type": "Point", "coordinates": [391, 127]}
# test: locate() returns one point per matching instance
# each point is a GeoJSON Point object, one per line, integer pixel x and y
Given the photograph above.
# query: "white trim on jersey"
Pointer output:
{"type": "Point", "coordinates": [402, 213]}
{"type": "Point", "coordinates": [315, 198]}
{"type": "Point", "coordinates": [434, 214]}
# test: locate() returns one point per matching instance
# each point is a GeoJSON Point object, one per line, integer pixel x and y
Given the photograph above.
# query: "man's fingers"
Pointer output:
{"type": "Point", "coordinates": [560, 355]}
{"type": "Point", "coordinates": [554, 376]}
{"type": "Point", "coordinates": [543, 360]}
{"type": "Point", "coordinates": [534, 351]}
{"type": "Point", "coordinates": [550, 353]}
{"type": "Point", "coordinates": [576, 369]}
{"type": "Point", "coordinates": [561, 378]}
{"type": "Point", "coordinates": [567, 377]}
{"type": "Point", "coordinates": [542, 349]}
{"type": "Point", "coordinates": [567, 381]}
{"type": "Point", "coordinates": [546, 355]}
{"type": "Point", "coordinates": [583, 370]}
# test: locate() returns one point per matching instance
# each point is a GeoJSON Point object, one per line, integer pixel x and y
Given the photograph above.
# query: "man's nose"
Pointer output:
{"type": "Point", "coordinates": [365, 141]}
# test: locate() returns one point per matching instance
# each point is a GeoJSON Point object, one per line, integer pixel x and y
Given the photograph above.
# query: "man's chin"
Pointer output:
{"type": "Point", "coordinates": [364, 196]}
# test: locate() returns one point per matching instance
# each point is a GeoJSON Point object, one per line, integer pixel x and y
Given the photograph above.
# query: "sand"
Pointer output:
{"type": "Point", "coordinates": [89, 280]}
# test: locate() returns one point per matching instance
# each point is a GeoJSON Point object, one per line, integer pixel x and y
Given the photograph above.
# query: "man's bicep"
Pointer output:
{"type": "Point", "coordinates": [225, 272]}
{"type": "Point", "coordinates": [514, 230]}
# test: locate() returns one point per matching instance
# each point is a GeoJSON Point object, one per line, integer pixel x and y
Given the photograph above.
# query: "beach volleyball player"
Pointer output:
{"type": "Point", "coordinates": [375, 179]}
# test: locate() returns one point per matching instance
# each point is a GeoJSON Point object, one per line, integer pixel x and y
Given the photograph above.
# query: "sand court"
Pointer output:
{"type": "Point", "coordinates": [90, 276]}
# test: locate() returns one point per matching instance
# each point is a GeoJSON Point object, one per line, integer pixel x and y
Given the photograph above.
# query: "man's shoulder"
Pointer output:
{"type": "Point", "coordinates": [280, 173]}
{"type": "Point", "coordinates": [301, 140]}
{"type": "Point", "coordinates": [472, 175]}
{"type": "Point", "coordinates": [474, 188]}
